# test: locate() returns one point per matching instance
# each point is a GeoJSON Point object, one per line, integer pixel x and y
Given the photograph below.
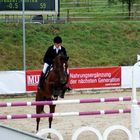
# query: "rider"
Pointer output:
{"type": "Point", "coordinates": [50, 54]}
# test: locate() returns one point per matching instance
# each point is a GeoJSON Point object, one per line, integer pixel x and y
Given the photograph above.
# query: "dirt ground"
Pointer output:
{"type": "Point", "coordinates": [67, 125]}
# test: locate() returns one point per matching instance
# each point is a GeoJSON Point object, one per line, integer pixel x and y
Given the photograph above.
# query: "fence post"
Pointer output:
{"type": "Point", "coordinates": [135, 116]}
{"type": "Point", "coordinates": [68, 15]}
{"type": "Point", "coordinates": [135, 109]}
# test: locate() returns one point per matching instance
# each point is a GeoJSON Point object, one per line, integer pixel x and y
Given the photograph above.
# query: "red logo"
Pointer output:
{"type": "Point", "coordinates": [32, 79]}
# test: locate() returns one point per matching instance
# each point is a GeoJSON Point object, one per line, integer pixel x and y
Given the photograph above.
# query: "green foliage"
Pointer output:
{"type": "Point", "coordinates": [88, 44]}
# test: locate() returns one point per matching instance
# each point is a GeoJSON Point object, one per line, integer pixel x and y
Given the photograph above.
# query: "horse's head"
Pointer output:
{"type": "Point", "coordinates": [59, 74]}
{"type": "Point", "coordinates": [60, 65]}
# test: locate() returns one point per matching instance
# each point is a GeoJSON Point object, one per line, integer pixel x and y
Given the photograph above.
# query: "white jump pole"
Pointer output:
{"type": "Point", "coordinates": [135, 109]}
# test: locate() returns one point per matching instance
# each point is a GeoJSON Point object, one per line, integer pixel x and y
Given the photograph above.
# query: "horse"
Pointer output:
{"type": "Point", "coordinates": [53, 86]}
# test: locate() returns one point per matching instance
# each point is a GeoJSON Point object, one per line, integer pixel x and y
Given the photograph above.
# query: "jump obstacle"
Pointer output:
{"type": "Point", "coordinates": [135, 112]}
{"type": "Point", "coordinates": [80, 130]}
{"type": "Point", "coordinates": [80, 101]}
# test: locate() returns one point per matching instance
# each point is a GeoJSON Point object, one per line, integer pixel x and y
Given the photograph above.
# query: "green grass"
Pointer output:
{"type": "Point", "coordinates": [88, 44]}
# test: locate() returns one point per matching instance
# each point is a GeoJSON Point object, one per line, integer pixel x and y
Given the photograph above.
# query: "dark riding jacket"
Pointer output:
{"type": "Point", "coordinates": [51, 54]}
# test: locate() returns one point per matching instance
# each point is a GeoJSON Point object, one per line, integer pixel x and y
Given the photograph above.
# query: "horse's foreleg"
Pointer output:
{"type": "Point", "coordinates": [37, 124]}
{"type": "Point", "coordinates": [52, 110]}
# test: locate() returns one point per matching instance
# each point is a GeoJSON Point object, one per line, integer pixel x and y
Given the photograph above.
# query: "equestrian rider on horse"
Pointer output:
{"type": "Point", "coordinates": [50, 54]}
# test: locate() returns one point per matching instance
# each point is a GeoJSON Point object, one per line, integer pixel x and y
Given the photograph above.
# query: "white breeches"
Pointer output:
{"type": "Point", "coordinates": [45, 67]}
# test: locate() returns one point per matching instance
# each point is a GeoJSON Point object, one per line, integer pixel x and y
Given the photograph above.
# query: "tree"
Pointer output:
{"type": "Point", "coordinates": [130, 4]}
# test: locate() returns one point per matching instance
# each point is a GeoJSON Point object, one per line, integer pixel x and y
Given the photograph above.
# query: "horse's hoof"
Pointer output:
{"type": "Point", "coordinates": [49, 136]}
{"type": "Point", "coordinates": [43, 112]}
{"type": "Point", "coordinates": [61, 95]}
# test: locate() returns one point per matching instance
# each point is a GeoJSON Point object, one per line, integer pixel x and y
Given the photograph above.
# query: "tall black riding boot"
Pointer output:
{"type": "Point", "coordinates": [41, 80]}
{"type": "Point", "coordinates": [67, 86]}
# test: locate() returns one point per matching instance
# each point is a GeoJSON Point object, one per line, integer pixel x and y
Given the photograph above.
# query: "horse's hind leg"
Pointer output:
{"type": "Point", "coordinates": [39, 110]}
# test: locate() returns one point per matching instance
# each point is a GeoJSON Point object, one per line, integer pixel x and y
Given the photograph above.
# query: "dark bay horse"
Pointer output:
{"type": "Point", "coordinates": [53, 86]}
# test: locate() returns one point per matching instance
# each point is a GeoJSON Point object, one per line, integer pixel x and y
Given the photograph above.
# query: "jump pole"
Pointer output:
{"type": "Point", "coordinates": [64, 114]}
{"type": "Point", "coordinates": [76, 101]}
{"type": "Point", "coordinates": [135, 109]}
